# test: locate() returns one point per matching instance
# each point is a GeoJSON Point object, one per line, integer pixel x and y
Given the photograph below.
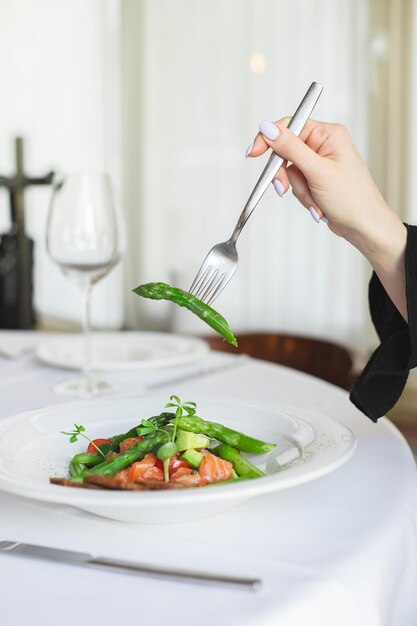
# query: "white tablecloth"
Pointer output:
{"type": "Point", "coordinates": [339, 551]}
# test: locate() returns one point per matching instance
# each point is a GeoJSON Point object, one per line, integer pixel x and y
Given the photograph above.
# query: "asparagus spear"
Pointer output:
{"type": "Point", "coordinates": [75, 468]}
{"type": "Point", "coordinates": [226, 435]}
{"type": "Point", "coordinates": [157, 420]}
{"type": "Point", "coordinates": [162, 291]}
{"type": "Point", "coordinates": [80, 463]}
{"type": "Point", "coordinates": [242, 467]}
{"type": "Point", "coordinates": [135, 453]}
{"type": "Point", "coordinates": [87, 459]}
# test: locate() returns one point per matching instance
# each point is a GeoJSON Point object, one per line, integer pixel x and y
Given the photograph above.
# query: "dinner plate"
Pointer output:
{"type": "Point", "coordinates": [124, 350]}
{"type": "Point", "coordinates": [32, 449]}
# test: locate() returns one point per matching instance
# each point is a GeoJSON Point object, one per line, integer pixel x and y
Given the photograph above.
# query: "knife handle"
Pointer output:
{"type": "Point", "coordinates": [128, 567]}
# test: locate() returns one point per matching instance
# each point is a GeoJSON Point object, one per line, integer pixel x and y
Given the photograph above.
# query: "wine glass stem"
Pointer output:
{"type": "Point", "coordinates": [86, 323]}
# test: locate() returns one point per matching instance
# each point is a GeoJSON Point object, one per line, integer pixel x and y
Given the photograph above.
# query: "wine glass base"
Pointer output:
{"type": "Point", "coordinates": [86, 387]}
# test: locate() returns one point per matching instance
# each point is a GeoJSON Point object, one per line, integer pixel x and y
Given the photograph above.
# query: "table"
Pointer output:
{"type": "Point", "coordinates": [339, 551]}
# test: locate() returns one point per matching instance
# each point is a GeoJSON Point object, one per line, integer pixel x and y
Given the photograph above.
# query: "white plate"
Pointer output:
{"type": "Point", "coordinates": [124, 350]}
{"type": "Point", "coordinates": [32, 449]}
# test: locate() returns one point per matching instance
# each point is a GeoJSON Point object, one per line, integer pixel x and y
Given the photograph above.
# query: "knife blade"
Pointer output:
{"type": "Point", "coordinates": [84, 559]}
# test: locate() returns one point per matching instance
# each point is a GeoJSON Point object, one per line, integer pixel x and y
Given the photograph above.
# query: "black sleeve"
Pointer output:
{"type": "Point", "coordinates": [382, 381]}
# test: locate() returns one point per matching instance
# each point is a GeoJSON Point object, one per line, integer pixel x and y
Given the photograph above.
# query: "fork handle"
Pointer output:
{"type": "Point", "coordinates": [296, 125]}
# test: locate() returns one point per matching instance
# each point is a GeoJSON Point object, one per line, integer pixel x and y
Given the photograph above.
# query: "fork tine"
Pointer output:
{"type": "Point", "coordinates": [203, 277]}
{"type": "Point", "coordinates": [199, 277]}
{"type": "Point", "coordinates": [203, 284]}
{"type": "Point", "coordinates": [213, 288]}
{"type": "Point", "coordinates": [202, 293]}
{"type": "Point", "coordinates": [224, 279]}
{"type": "Point", "coordinates": [211, 285]}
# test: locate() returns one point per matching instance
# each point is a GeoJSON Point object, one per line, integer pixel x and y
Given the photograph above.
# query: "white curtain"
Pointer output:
{"type": "Point", "coordinates": [60, 68]}
{"type": "Point", "coordinates": [410, 160]}
{"type": "Point", "coordinates": [199, 76]}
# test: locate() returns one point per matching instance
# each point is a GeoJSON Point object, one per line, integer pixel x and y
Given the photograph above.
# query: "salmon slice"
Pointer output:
{"type": "Point", "coordinates": [123, 474]}
{"type": "Point", "coordinates": [128, 443]}
{"type": "Point", "coordinates": [213, 469]}
{"type": "Point", "coordinates": [144, 470]}
{"type": "Point", "coordinates": [186, 476]}
{"type": "Point", "coordinates": [147, 462]}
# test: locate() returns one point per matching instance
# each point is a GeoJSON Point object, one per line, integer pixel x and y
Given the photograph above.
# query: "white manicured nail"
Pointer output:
{"type": "Point", "coordinates": [249, 150]}
{"type": "Point", "coordinates": [314, 214]}
{"type": "Point", "coordinates": [324, 219]}
{"type": "Point", "coordinates": [269, 130]}
{"type": "Point", "coordinates": [279, 187]}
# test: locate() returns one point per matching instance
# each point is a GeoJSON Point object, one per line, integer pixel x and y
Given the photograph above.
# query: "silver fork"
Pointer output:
{"type": "Point", "coordinates": [222, 261]}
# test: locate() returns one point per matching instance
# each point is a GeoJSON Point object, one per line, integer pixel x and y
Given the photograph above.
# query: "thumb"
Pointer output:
{"type": "Point", "coordinates": [290, 147]}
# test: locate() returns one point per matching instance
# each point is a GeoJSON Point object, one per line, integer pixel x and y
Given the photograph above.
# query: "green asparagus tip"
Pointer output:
{"type": "Point", "coordinates": [155, 291]}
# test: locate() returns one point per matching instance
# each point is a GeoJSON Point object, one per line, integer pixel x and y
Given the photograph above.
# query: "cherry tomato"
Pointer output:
{"type": "Point", "coordinates": [98, 442]}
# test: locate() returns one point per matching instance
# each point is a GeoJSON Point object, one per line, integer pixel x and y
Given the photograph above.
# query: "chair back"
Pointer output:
{"type": "Point", "coordinates": [330, 361]}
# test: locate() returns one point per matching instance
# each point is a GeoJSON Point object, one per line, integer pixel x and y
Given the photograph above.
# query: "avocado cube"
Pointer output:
{"type": "Point", "coordinates": [186, 440]}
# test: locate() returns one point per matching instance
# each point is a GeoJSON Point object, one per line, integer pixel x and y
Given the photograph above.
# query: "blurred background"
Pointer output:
{"type": "Point", "coordinates": [166, 95]}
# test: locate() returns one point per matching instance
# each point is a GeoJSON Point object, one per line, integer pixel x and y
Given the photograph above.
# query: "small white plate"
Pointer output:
{"type": "Point", "coordinates": [124, 350]}
{"type": "Point", "coordinates": [32, 449]}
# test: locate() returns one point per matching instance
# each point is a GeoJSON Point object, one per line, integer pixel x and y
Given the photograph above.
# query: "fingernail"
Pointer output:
{"type": "Point", "coordinates": [314, 214]}
{"type": "Point", "coordinates": [249, 150]}
{"type": "Point", "coordinates": [269, 130]}
{"type": "Point", "coordinates": [279, 187]}
{"type": "Point", "coordinates": [324, 219]}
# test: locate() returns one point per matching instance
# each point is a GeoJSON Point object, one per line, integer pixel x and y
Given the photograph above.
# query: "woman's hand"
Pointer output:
{"type": "Point", "coordinates": [330, 179]}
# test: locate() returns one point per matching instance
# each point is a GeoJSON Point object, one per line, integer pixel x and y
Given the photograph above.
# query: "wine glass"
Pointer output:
{"type": "Point", "coordinates": [83, 239]}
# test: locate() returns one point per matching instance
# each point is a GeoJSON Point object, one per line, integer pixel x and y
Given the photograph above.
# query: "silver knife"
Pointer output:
{"type": "Point", "coordinates": [128, 567]}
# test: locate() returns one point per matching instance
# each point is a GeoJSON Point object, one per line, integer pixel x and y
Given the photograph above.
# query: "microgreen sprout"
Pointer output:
{"type": "Point", "coordinates": [180, 408]}
{"type": "Point", "coordinates": [163, 452]}
{"type": "Point", "coordinates": [167, 450]}
{"type": "Point", "coordinates": [146, 428]}
{"type": "Point", "coordinates": [79, 431]}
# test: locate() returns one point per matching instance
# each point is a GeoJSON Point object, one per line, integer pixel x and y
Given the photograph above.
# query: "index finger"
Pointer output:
{"type": "Point", "coordinates": [259, 145]}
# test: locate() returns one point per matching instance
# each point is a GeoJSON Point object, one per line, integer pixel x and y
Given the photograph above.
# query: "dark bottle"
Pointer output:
{"type": "Point", "coordinates": [16, 280]}
{"type": "Point", "coordinates": [16, 251]}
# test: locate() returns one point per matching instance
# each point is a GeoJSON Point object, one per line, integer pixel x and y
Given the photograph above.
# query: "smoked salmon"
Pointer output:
{"type": "Point", "coordinates": [128, 443]}
{"type": "Point", "coordinates": [144, 470]}
{"type": "Point", "coordinates": [214, 469]}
